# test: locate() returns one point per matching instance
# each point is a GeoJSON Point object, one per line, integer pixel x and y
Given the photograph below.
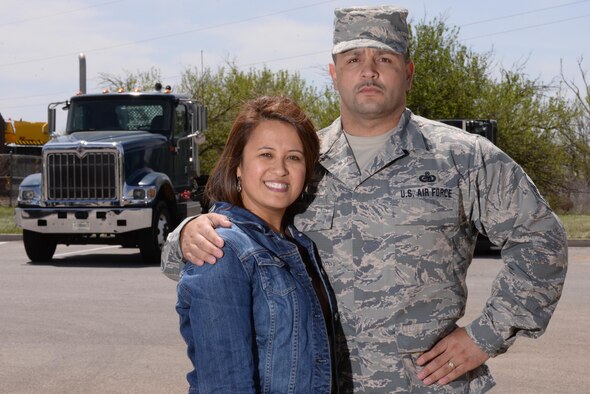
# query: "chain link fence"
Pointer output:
{"type": "Point", "coordinates": [13, 169]}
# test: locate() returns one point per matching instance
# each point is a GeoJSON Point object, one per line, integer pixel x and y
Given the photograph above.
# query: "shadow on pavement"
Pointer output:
{"type": "Point", "coordinates": [99, 261]}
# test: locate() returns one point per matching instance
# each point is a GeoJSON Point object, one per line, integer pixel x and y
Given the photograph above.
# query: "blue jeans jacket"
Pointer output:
{"type": "Point", "coordinates": [252, 321]}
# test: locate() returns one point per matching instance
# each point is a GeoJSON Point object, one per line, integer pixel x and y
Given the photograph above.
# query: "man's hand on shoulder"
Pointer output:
{"type": "Point", "coordinates": [199, 242]}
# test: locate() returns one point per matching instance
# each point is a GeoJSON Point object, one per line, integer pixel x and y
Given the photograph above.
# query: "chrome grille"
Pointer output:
{"type": "Point", "coordinates": [92, 176]}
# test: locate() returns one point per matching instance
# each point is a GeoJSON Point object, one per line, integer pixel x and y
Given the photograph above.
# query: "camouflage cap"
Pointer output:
{"type": "Point", "coordinates": [382, 27]}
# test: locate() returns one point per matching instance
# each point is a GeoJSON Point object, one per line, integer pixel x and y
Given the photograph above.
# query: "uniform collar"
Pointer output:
{"type": "Point", "coordinates": [337, 157]}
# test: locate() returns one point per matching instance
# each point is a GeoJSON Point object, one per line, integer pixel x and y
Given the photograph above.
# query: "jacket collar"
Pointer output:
{"type": "Point", "coordinates": [242, 217]}
{"type": "Point", "coordinates": [254, 226]}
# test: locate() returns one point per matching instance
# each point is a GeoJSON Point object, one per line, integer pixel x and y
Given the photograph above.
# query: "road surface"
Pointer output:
{"type": "Point", "coordinates": [98, 320]}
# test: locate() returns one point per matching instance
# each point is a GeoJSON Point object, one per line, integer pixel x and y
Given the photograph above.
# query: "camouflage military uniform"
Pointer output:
{"type": "Point", "coordinates": [397, 240]}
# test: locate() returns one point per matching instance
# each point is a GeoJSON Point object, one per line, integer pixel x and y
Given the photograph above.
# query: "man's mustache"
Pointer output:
{"type": "Point", "coordinates": [369, 84]}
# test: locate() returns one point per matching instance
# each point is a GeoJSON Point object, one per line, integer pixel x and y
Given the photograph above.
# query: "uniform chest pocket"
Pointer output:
{"type": "Point", "coordinates": [274, 275]}
{"type": "Point", "coordinates": [425, 206]}
{"type": "Point", "coordinates": [316, 217]}
{"type": "Point", "coordinates": [315, 210]}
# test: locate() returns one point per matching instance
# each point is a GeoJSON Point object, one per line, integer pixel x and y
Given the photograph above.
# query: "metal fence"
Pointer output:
{"type": "Point", "coordinates": [13, 169]}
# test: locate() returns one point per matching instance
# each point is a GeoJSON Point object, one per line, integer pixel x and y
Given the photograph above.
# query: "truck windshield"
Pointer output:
{"type": "Point", "coordinates": [120, 113]}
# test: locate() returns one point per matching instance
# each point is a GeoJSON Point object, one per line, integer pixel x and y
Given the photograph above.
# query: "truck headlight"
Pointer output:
{"type": "Point", "coordinates": [28, 195]}
{"type": "Point", "coordinates": [139, 194]}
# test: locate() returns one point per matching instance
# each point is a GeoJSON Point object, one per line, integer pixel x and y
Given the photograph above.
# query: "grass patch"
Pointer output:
{"type": "Point", "coordinates": [7, 224]}
{"type": "Point", "coordinates": [576, 226]}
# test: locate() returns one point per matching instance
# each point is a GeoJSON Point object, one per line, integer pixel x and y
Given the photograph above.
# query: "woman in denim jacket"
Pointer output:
{"type": "Point", "coordinates": [260, 320]}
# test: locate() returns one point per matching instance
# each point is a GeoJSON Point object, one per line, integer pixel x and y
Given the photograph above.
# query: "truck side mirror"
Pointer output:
{"type": "Point", "coordinates": [51, 120]}
{"type": "Point", "coordinates": [51, 115]}
{"type": "Point", "coordinates": [198, 139]}
{"type": "Point", "coordinates": [198, 118]}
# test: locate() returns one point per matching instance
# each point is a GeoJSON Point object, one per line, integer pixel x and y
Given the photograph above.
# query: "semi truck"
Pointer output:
{"type": "Point", "coordinates": [125, 171]}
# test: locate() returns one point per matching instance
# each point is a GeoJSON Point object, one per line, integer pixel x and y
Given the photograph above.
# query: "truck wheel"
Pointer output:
{"type": "Point", "coordinates": [39, 247]}
{"type": "Point", "coordinates": [152, 239]}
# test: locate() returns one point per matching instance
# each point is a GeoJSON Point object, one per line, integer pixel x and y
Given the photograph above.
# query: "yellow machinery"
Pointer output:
{"type": "Point", "coordinates": [25, 137]}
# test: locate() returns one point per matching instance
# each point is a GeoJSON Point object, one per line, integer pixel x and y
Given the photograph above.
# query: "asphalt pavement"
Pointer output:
{"type": "Point", "coordinates": [99, 320]}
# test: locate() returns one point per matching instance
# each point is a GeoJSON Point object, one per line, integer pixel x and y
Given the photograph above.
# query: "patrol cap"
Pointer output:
{"type": "Point", "coordinates": [382, 27]}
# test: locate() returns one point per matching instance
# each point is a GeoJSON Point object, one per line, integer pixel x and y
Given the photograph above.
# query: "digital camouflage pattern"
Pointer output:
{"type": "Point", "coordinates": [383, 27]}
{"type": "Point", "coordinates": [410, 224]}
{"type": "Point", "coordinates": [397, 240]}
{"type": "Point", "coordinates": [172, 261]}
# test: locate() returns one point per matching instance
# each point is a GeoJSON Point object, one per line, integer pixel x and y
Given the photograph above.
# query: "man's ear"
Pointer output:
{"type": "Point", "coordinates": [332, 69]}
{"type": "Point", "coordinates": [409, 75]}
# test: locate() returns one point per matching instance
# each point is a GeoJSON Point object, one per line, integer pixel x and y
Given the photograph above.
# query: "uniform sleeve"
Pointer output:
{"type": "Point", "coordinates": [172, 260]}
{"type": "Point", "coordinates": [215, 309]}
{"type": "Point", "coordinates": [508, 208]}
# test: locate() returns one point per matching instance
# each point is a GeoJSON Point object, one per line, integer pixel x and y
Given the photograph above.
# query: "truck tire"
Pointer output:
{"type": "Point", "coordinates": [39, 247]}
{"type": "Point", "coordinates": [152, 240]}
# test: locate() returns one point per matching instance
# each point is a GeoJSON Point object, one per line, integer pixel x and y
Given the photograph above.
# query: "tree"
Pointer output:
{"type": "Point", "coordinates": [575, 138]}
{"type": "Point", "coordinates": [528, 122]}
{"type": "Point", "coordinates": [449, 79]}
{"type": "Point", "coordinates": [225, 90]}
{"type": "Point", "coordinates": [143, 80]}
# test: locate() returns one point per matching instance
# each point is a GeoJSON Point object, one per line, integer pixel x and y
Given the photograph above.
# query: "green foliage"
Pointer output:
{"type": "Point", "coordinates": [574, 136]}
{"type": "Point", "coordinates": [527, 123]}
{"type": "Point", "coordinates": [7, 223]}
{"type": "Point", "coordinates": [449, 79]}
{"type": "Point", "coordinates": [576, 226]}
{"type": "Point", "coordinates": [228, 88]}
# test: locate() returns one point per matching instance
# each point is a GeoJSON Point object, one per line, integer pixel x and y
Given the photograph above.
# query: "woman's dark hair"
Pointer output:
{"type": "Point", "coordinates": [222, 183]}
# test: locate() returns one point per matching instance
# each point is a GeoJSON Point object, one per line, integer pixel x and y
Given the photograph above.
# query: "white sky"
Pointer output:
{"type": "Point", "coordinates": [40, 40]}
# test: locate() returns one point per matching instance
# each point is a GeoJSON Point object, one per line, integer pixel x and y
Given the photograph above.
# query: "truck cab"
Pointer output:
{"type": "Point", "coordinates": [124, 171]}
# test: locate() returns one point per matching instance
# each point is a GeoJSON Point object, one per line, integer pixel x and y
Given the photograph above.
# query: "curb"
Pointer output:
{"type": "Point", "coordinates": [578, 242]}
{"type": "Point", "coordinates": [10, 237]}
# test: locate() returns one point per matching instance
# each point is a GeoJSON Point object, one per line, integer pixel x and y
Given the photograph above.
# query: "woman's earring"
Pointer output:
{"type": "Point", "coordinates": [304, 192]}
{"type": "Point", "coordinates": [239, 186]}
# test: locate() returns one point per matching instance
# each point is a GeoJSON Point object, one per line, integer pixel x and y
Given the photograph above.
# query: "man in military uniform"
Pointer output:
{"type": "Point", "coordinates": [395, 213]}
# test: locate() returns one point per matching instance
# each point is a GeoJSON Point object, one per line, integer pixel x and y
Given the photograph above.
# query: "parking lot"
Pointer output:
{"type": "Point", "coordinates": [98, 320]}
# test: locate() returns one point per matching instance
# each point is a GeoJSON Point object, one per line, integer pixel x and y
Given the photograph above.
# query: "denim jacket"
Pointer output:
{"type": "Point", "coordinates": [252, 321]}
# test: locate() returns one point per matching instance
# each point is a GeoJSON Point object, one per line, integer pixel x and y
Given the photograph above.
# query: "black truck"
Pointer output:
{"type": "Point", "coordinates": [487, 128]}
{"type": "Point", "coordinates": [125, 171]}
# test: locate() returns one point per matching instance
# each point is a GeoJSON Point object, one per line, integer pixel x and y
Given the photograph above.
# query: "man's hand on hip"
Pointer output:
{"type": "Point", "coordinates": [451, 357]}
